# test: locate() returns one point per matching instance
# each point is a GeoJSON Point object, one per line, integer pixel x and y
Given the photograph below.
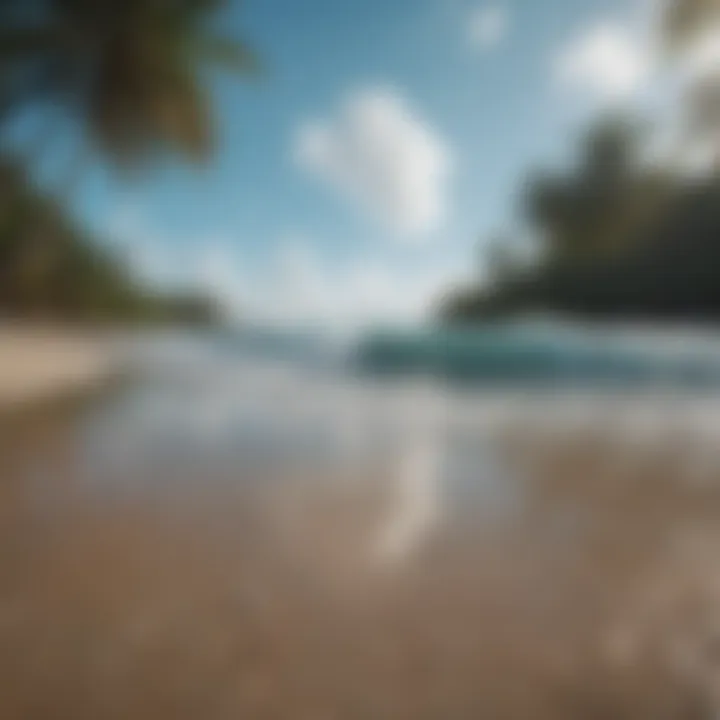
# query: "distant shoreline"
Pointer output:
{"type": "Point", "coordinates": [41, 364]}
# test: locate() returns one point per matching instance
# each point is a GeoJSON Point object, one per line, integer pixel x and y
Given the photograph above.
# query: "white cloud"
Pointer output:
{"type": "Point", "coordinates": [624, 62]}
{"type": "Point", "coordinates": [217, 270]}
{"type": "Point", "coordinates": [301, 287]}
{"type": "Point", "coordinates": [209, 265]}
{"type": "Point", "coordinates": [296, 285]}
{"type": "Point", "coordinates": [488, 26]}
{"type": "Point", "coordinates": [607, 61]}
{"type": "Point", "coordinates": [380, 153]}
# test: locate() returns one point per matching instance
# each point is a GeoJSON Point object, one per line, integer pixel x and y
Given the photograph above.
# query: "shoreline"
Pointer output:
{"type": "Point", "coordinates": [42, 364]}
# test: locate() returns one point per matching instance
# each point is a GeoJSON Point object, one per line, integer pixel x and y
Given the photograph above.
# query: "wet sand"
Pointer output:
{"type": "Point", "coordinates": [581, 592]}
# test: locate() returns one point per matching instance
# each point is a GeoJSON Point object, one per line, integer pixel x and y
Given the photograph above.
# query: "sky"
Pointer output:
{"type": "Point", "coordinates": [386, 141]}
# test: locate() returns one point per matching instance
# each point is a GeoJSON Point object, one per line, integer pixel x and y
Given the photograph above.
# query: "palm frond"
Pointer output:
{"type": "Point", "coordinates": [23, 43]}
{"type": "Point", "coordinates": [683, 19]}
{"type": "Point", "coordinates": [188, 124]}
{"type": "Point", "coordinates": [227, 54]}
{"type": "Point", "coordinates": [131, 71]}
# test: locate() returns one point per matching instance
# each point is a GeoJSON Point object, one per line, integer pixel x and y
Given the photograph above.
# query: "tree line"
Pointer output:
{"type": "Point", "coordinates": [130, 76]}
{"type": "Point", "coordinates": [616, 236]}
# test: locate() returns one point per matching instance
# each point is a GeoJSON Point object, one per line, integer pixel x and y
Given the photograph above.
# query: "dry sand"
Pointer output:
{"type": "Point", "coordinates": [38, 364]}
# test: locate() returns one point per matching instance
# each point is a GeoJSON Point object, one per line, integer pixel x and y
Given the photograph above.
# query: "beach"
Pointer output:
{"type": "Point", "coordinates": [230, 537]}
{"type": "Point", "coordinates": [38, 364]}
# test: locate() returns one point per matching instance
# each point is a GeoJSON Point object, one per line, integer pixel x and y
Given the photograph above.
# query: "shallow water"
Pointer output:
{"type": "Point", "coordinates": [233, 535]}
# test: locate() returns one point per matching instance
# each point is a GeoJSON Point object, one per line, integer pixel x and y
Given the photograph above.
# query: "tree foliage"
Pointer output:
{"type": "Point", "coordinates": [597, 207]}
{"type": "Point", "coordinates": [130, 72]}
{"type": "Point", "coordinates": [684, 19]}
{"type": "Point", "coordinates": [56, 271]}
{"type": "Point", "coordinates": [618, 239]}
{"type": "Point", "coordinates": [132, 75]}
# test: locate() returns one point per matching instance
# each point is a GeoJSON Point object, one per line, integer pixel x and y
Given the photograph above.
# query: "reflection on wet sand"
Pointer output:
{"type": "Point", "coordinates": [403, 584]}
{"type": "Point", "coordinates": [415, 503]}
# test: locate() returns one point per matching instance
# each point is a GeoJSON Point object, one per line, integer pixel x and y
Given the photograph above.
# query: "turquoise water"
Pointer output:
{"type": "Point", "coordinates": [511, 356]}
{"type": "Point", "coordinates": [262, 398]}
{"type": "Point", "coordinates": [498, 355]}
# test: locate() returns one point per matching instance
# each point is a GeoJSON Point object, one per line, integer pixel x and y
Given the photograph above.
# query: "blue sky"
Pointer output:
{"type": "Point", "coordinates": [385, 141]}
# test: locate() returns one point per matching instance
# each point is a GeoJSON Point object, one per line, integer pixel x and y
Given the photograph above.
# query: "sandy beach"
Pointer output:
{"type": "Point", "coordinates": [595, 596]}
{"type": "Point", "coordinates": [41, 363]}
{"type": "Point", "coordinates": [220, 542]}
